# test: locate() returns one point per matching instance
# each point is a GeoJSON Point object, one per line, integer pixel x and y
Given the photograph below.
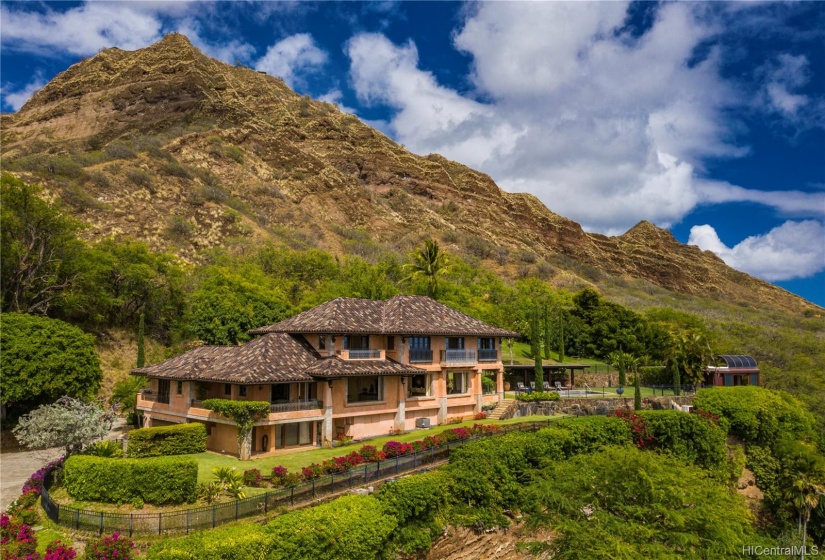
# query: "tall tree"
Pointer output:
{"type": "Point", "coordinates": [40, 249]}
{"type": "Point", "coordinates": [535, 347]}
{"type": "Point", "coordinates": [430, 262]}
{"type": "Point", "coordinates": [141, 350]}
{"type": "Point", "coordinates": [546, 332]}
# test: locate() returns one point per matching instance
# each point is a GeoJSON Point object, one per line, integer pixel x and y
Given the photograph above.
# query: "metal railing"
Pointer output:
{"type": "Point", "coordinates": [311, 404]}
{"type": "Point", "coordinates": [421, 356]}
{"type": "Point", "coordinates": [488, 355]}
{"type": "Point", "coordinates": [208, 517]}
{"type": "Point", "coordinates": [162, 398]}
{"type": "Point", "coordinates": [455, 357]}
{"type": "Point", "coordinates": [365, 354]}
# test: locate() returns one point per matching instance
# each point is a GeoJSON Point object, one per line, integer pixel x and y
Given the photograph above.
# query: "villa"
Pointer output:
{"type": "Point", "coordinates": [346, 368]}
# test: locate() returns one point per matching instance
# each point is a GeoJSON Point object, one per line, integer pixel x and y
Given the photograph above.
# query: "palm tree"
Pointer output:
{"type": "Point", "coordinates": [430, 262]}
{"type": "Point", "coordinates": [804, 495]}
{"type": "Point", "coordinates": [687, 357]}
{"type": "Point", "coordinates": [620, 359]}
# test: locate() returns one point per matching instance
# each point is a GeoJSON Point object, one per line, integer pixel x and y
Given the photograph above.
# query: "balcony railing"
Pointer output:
{"type": "Point", "coordinates": [488, 355]}
{"type": "Point", "coordinates": [459, 357]}
{"type": "Point", "coordinates": [311, 404]}
{"type": "Point", "coordinates": [421, 356]}
{"type": "Point", "coordinates": [162, 398]}
{"type": "Point", "coordinates": [365, 354]}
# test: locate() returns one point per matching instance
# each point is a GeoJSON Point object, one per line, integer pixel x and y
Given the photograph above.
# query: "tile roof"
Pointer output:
{"type": "Point", "coordinates": [404, 315]}
{"type": "Point", "coordinates": [333, 367]}
{"type": "Point", "coordinates": [273, 358]}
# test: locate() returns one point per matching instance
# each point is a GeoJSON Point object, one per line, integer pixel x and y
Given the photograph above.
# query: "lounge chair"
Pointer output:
{"type": "Point", "coordinates": [559, 388]}
{"type": "Point", "coordinates": [547, 386]}
{"type": "Point", "coordinates": [520, 388]}
{"type": "Point", "coordinates": [533, 385]}
{"type": "Point", "coordinates": [586, 388]}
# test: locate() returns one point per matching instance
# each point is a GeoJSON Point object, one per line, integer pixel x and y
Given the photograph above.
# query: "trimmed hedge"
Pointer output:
{"type": "Point", "coordinates": [354, 527]}
{"type": "Point", "coordinates": [157, 480]}
{"type": "Point", "coordinates": [179, 439]}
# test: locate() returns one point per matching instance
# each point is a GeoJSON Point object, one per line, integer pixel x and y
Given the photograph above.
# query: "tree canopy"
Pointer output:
{"type": "Point", "coordinates": [69, 423]}
{"type": "Point", "coordinates": [44, 359]}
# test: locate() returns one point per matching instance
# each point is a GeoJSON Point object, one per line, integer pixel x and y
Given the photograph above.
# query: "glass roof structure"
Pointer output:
{"type": "Point", "coordinates": [739, 362]}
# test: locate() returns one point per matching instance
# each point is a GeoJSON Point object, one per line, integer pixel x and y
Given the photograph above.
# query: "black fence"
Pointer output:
{"type": "Point", "coordinates": [211, 516]}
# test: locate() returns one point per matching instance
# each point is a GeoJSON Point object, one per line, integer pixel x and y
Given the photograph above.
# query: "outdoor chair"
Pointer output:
{"type": "Point", "coordinates": [586, 388]}
{"type": "Point", "coordinates": [559, 388]}
{"type": "Point", "coordinates": [533, 385]}
{"type": "Point", "coordinates": [547, 386]}
{"type": "Point", "coordinates": [520, 387]}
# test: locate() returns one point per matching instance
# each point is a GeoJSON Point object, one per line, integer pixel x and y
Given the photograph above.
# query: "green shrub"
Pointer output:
{"type": "Point", "coordinates": [757, 415]}
{"type": "Point", "coordinates": [415, 498]}
{"type": "Point", "coordinates": [244, 542]}
{"type": "Point", "coordinates": [690, 437]}
{"type": "Point", "coordinates": [156, 480]}
{"type": "Point", "coordinates": [536, 396]}
{"type": "Point", "coordinates": [349, 527]}
{"type": "Point", "coordinates": [180, 439]}
{"type": "Point", "coordinates": [110, 449]}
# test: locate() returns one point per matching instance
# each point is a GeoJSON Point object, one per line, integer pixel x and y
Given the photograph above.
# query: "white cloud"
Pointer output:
{"type": "Point", "coordinates": [82, 30]}
{"type": "Point", "coordinates": [792, 250]}
{"type": "Point", "coordinates": [604, 128]}
{"type": "Point", "coordinates": [781, 77]}
{"type": "Point", "coordinates": [14, 99]}
{"type": "Point", "coordinates": [290, 56]}
{"type": "Point", "coordinates": [790, 203]}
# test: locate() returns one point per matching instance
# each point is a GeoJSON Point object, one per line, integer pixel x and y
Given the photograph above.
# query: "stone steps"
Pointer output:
{"type": "Point", "coordinates": [501, 408]}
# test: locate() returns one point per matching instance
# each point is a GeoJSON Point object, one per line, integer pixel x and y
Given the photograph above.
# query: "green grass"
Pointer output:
{"type": "Point", "coordinates": [521, 353]}
{"type": "Point", "coordinates": [303, 457]}
{"type": "Point", "coordinates": [610, 393]}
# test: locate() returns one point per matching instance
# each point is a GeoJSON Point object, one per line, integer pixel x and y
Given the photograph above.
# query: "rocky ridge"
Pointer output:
{"type": "Point", "coordinates": [183, 151]}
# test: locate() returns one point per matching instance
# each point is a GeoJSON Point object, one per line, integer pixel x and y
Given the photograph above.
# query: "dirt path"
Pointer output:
{"type": "Point", "coordinates": [17, 466]}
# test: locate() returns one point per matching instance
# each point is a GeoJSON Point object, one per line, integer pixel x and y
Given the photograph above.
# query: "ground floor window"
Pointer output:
{"type": "Point", "coordinates": [365, 389]}
{"type": "Point", "coordinates": [298, 433]}
{"type": "Point", "coordinates": [458, 382]}
{"type": "Point", "coordinates": [419, 385]}
{"type": "Point", "coordinates": [488, 381]}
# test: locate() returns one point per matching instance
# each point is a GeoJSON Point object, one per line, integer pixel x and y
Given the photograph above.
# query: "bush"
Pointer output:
{"type": "Point", "coordinates": [349, 527]}
{"type": "Point", "coordinates": [395, 448]}
{"type": "Point", "coordinates": [536, 396]}
{"type": "Point", "coordinates": [241, 542]}
{"type": "Point", "coordinates": [110, 449]}
{"type": "Point", "coordinates": [179, 439]}
{"type": "Point", "coordinates": [371, 454]}
{"type": "Point", "coordinates": [415, 498]}
{"type": "Point", "coordinates": [759, 416]}
{"type": "Point", "coordinates": [157, 480]}
{"type": "Point", "coordinates": [253, 478]}
{"type": "Point", "coordinates": [113, 547]}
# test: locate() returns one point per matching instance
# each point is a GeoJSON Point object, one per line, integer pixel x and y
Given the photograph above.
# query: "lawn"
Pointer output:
{"type": "Point", "coordinates": [302, 457]}
{"type": "Point", "coordinates": [610, 393]}
{"type": "Point", "coordinates": [521, 353]}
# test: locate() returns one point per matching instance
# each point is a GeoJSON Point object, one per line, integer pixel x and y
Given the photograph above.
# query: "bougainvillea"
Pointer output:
{"type": "Point", "coordinates": [35, 481]}
{"type": "Point", "coordinates": [642, 435]}
{"type": "Point", "coordinates": [396, 448]}
{"type": "Point", "coordinates": [113, 547]}
{"type": "Point", "coordinates": [252, 477]}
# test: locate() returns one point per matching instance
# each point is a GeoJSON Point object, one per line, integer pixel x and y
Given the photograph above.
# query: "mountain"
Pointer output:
{"type": "Point", "coordinates": [168, 145]}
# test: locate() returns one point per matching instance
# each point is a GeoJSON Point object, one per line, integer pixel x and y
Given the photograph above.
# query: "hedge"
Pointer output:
{"type": "Point", "coordinates": [354, 527]}
{"type": "Point", "coordinates": [156, 480]}
{"type": "Point", "coordinates": [179, 439]}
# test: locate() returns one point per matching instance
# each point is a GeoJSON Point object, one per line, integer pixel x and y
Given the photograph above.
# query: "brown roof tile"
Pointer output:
{"type": "Point", "coordinates": [399, 315]}
{"type": "Point", "coordinates": [273, 358]}
{"type": "Point", "coordinates": [336, 367]}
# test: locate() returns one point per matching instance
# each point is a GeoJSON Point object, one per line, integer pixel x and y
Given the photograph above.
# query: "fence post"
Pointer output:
{"type": "Point", "coordinates": [101, 523]}
{"type": "Point", "coordinates": [313, 487]}
{"type": "Point", "coordinates": [160, 522]}
{"type": "Point", "coordinates": [415, 458]}
{"type": "Point", "coordinates": [350, 478]}
{"type": "Point", "coordinates": [130, 525]}
{"type": "Point", "coordinates": [366, 472]}
{"type": "Point", "coordinates": [213, 516]}
{"type": "Point", "coordinates": [292, 496]}
{"type": "Point", "coordinates": [187, 520]}
{"type": "Point", "coordinates": [266, 502]}
{"type": "Point", "coordinates": [396, 464]}
{"type": "Point", "coordinates": [77, 519]}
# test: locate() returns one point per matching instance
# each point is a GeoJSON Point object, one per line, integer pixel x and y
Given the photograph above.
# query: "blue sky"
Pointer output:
{"type": "Point", "coordinates": [704, 118]}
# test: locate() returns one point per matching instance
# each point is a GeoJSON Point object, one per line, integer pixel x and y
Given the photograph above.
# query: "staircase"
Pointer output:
{"type": "Point", "coordinates": [503, 410]}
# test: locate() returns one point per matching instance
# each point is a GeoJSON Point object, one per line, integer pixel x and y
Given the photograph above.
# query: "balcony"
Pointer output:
{"type": "Point", "coordinates": [459, 357]}
{"type": "Point", "coordinates": [311, 404]}
{"type": "Point", "coordinates": [421, 356]}
{"type": "Point", "coordinates": [362, 354]}
{"type": "Point", "coordinates": [488, 355]}
{"type": "Point", "coordinates": [162, 398]}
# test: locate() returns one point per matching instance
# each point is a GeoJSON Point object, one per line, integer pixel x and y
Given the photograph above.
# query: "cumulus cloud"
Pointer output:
{"type": "Point", "coordinates": [292, 57]}
{"type": "Point", "coordinates": [14, 99]}
{"type": "Point", "coordinates": [604, 127]}
{"type": "Point", "coordinates": [790, 203]}
{"type": "Point", "coordinates": [792, 250]}
{"type": "Point", "coordinates": [82, 30]}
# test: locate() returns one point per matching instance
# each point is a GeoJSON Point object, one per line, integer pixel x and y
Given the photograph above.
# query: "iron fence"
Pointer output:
{"type": "Point", "coordinates": [208, 517]}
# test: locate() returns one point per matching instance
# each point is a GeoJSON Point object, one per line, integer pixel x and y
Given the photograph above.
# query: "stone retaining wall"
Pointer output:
{"type": "Point", "coordinates": [594, 405]}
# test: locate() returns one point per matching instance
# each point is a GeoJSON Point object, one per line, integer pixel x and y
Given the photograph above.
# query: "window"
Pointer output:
{"type": "Point", "coordinates": [457, 382]}
{"type": "Point", "coordinates": [419, 385]}
{"type": "Point", "coordinates": [163, 390]}
{"type": "Point", "coordinates": [486, 343]}
{"type": "Point", "coordinates": [390, 343]}
{"type": "Point", "coordinates": [455, 343]}
{"type": "Point", "coordinates": [180, 388]}
{"type": "Point", "coordinates": [322, 342]}
{"type": "Point", "coordinates": [356, 342]}
{"type": "Point", "coordinates": [227, 389]}
{"type": "Point", "coordinates": [242, 391]}
{"type": "Point", "coordinates": [280, 393]}
{"type": "Point", "coordinates": [365, 389]}
{"type": "Point", "coordinates": [419, 342]}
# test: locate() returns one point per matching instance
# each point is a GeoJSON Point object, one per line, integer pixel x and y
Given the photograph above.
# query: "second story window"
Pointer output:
{"type": "Point", "coordinates": [180, 388]}
{"type": "Point", "coordinates": [420, 351]}
{"type": "Point", "coordinates": [455, 343]}
{"type": "Point", "coordinates": [356, 342]}
{"type": "Point", "coordinates": [390, 343]}
{"type": "Point", "coordinates": [322, 342]}
{"type": "Point", "coordinates": [487, 350]}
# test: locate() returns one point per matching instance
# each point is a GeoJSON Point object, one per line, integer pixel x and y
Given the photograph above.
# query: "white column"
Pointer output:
{"type": "Point", "coordinates": [326, 430]}
{"type": "Point", "coordinates": [401, 413]}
